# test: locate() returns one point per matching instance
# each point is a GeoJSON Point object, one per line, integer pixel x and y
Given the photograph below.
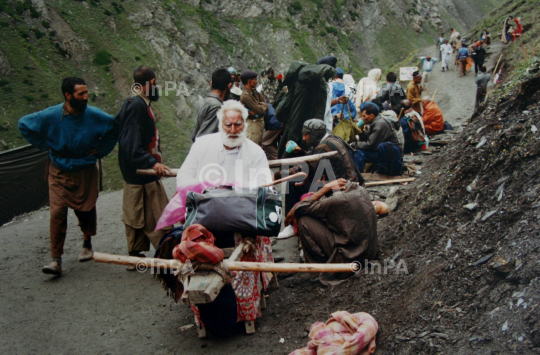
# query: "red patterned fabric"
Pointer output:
{"type": "Point", "coordinates": [248, 285]}
{"type": "Point", "coordinates": [198, 244]}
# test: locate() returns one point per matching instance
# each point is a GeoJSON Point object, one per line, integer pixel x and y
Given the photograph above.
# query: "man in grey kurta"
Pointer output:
{"type": "Point", "coordinates": [337, 224]}
{"type": "Point", "coordinates": [207, 122]}
{"type": "Point", "coordinates": [482, 81]}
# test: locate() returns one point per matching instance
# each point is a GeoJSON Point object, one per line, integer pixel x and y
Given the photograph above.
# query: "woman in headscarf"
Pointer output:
{"type": "Point", "coordinates": [368, 87]}
{"type": "Point", "coordinates": [519, 29]}
{"type": "Point", "coordinates": [350, 86]}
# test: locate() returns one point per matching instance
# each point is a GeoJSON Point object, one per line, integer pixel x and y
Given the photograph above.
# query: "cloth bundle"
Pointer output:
{"type": "Point", "coordinates": [342, 334]}
{"type": "Point", "coordinates": [198, 244]}
{"type": "Point", "coordinates": [176, 209]}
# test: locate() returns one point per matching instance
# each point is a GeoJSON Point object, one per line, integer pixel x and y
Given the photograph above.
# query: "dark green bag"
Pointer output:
{"type": "Point", "coordinates": [254, 211]}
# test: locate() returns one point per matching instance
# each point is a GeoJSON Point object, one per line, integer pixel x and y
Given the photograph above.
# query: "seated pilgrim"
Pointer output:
{"type": "Point", "coordinates": [336, 224]}
{"type": "Point", "coordinates": [432, 117]}
{"type": "Point", "coordinates": [379, 143]}
{"type": "Point", "coordinates": [229, 158]}
{"type": "Point", "coordinates": [341, 165]}
{"type": "Point", "coordinates": [413, 128]}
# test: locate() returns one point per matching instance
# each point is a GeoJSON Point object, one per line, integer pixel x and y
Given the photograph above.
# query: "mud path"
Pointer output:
{"type": "Point", "coordinates": [456, 94]}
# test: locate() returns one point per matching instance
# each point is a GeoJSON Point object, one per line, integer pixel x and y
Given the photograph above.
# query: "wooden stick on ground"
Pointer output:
{"type": "Point", "coordinates": [496, 66]}
{"type": "Point", "coordinates": [142, 264]}
{"type": "Point", "coordinates": [368, 184]}
{"type": "Point", "coordinates": [435, 93]}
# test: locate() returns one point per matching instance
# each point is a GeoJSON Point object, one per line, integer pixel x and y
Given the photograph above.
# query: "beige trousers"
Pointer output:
{"type": "Point", "coordinates": [143, 205]}
{"type": "Point", "coordinates": [254, 130]}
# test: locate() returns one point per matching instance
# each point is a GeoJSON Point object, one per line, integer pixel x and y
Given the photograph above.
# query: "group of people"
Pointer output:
{"type": "Point", "coordinates": [509, 33]}
{"type": "Point", "coordinates": [465, 56]}
{"type": "Point", "coordinates": [388, 120]}
{"type": "Point", "coordinates": [76, 136]}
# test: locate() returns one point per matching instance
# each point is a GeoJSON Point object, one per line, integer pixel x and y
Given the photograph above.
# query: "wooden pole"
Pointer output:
{"type": "Point", "coordinates": [142, 264]}
{"type": "Point", "coordinates": [152, 172]}
{"type": "Point", "coordinates": [495, 70]}
{"type": "Point", "coordinates": [435, 93]}
{"type": "Point", "coordinates": [300, 160]}
{"type": "Point", "coordinates": [287, 178]}
{"type": "Point", "coordinates": [400, 112]}
{"type": "Point", "coordinates": [271, 163]}
{"type": "Point", "coordinates": [389, 182]}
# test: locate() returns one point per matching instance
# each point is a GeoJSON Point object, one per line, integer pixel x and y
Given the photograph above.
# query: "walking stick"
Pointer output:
{"type": "Point", "coordinates": [434, 94]}
{"type": "Point", "coordinates": [495, 70]}
{"type": "Point", "coordinates": [400, 112]}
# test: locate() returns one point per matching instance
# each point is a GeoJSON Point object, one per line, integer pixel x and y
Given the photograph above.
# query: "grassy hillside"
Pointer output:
{"type": "Point", "coordinates": [106, 62]}
{"type": "Point", "coordinates": [41, 42]}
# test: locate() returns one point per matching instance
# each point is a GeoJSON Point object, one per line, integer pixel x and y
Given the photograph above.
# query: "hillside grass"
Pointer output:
{"type": "Point", "coordinates": [40, 65]}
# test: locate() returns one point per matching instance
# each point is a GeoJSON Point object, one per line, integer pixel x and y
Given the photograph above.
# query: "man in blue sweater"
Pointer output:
{"type": "Point", "coordinates": [462, 55]}
{"type": "Point", "coordinates": [76, 136]}
{"type": "Point", "coordinates": [139, 147]}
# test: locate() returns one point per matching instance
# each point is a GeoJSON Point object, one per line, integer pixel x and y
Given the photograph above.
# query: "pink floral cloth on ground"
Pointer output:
{"type": "Point", "coordinates": [342, 334]}
{"type": "Point", "coordinates": [248, 285]}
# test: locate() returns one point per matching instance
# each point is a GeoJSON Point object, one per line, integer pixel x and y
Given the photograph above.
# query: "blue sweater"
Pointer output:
{"type": "Point", "coordinates": [338, 89]}
{"type": "Point", "coordinates": [69, 138]}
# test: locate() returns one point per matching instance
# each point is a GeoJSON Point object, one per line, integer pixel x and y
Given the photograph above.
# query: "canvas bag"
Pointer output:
{"type": "Point", "coordinates": [254, 211]}
{"type": "Point", "coordinates": [346, 129]}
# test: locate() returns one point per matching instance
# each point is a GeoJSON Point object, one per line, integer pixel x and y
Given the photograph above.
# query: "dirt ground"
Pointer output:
{"type": "Point", "coordinates": [104, 309]}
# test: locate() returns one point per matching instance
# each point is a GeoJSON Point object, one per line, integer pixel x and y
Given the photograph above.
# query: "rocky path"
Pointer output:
{"type": "Point", "coordinates": [456, 94]}
{"type": "Point", "coordinates": [103, 309]}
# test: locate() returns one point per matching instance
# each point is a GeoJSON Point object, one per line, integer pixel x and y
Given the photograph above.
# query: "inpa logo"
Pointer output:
{"type": "Point", "coordinates": [275, 216]}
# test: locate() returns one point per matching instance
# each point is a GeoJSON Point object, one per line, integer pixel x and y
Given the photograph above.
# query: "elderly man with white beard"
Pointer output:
{"type": "Point", "coordinates": [227, 157]}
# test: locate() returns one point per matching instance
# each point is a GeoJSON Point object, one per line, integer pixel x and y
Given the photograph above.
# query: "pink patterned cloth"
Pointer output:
{"type": "Point", "coordinates": [198, 244]}
{"type": "Point", "coordinates": [248, 285]}
{"type": "Point", "coordinates": [176, 208]}
{"type": "Point", "coordinates": [342, 334]}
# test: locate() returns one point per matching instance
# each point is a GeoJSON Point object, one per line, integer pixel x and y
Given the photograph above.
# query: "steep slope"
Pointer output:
{"type": "Point", "coordinates": [185, 40]}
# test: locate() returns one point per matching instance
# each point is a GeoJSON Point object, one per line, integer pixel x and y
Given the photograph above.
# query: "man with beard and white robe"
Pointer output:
{"type": "Point", "coordinates": [446, 51]}
{"type": "Point", "coordinates": [139, 147]}
{"type": "Point", "coordinates": [76, 136]}
{"type": "Point", "coordinates": [227, 156]}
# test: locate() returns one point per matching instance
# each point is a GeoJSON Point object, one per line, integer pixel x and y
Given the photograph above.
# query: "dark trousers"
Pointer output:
{"type": "Point", "coordinates": [477, 66]}
{"type": "Point", "coordinates": [58, 226]}
{"type": "Point", "coordinates": [480, 97]}
{"type": "Point", "coordinates": [463, 66]}
{"type": "Point", "coordinates": [387, 158]}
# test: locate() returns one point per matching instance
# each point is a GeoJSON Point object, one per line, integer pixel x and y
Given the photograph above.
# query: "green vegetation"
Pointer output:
{"type": "Point", "coordinates": [102, 58]}
{"type": "Point", "coordinates": [331, 30]}
{"type": "Point", "coordinates": [295, 7]}
{"type": "Point", "coordinates": [319, 3]}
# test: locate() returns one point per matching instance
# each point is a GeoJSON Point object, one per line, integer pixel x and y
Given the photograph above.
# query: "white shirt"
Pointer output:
{"type": "Point", "coordinates": [328, 120]}
{"type": "Point", "coordinates": [208, 160]}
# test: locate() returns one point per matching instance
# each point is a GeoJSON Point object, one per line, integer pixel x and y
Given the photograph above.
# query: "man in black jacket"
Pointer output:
{"type": "Point", "coordinates": [379, 144]}
{"type": "Point", "coordinates": [479, 57]}
{"type": "Point", "coordinates": [139, 148]}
